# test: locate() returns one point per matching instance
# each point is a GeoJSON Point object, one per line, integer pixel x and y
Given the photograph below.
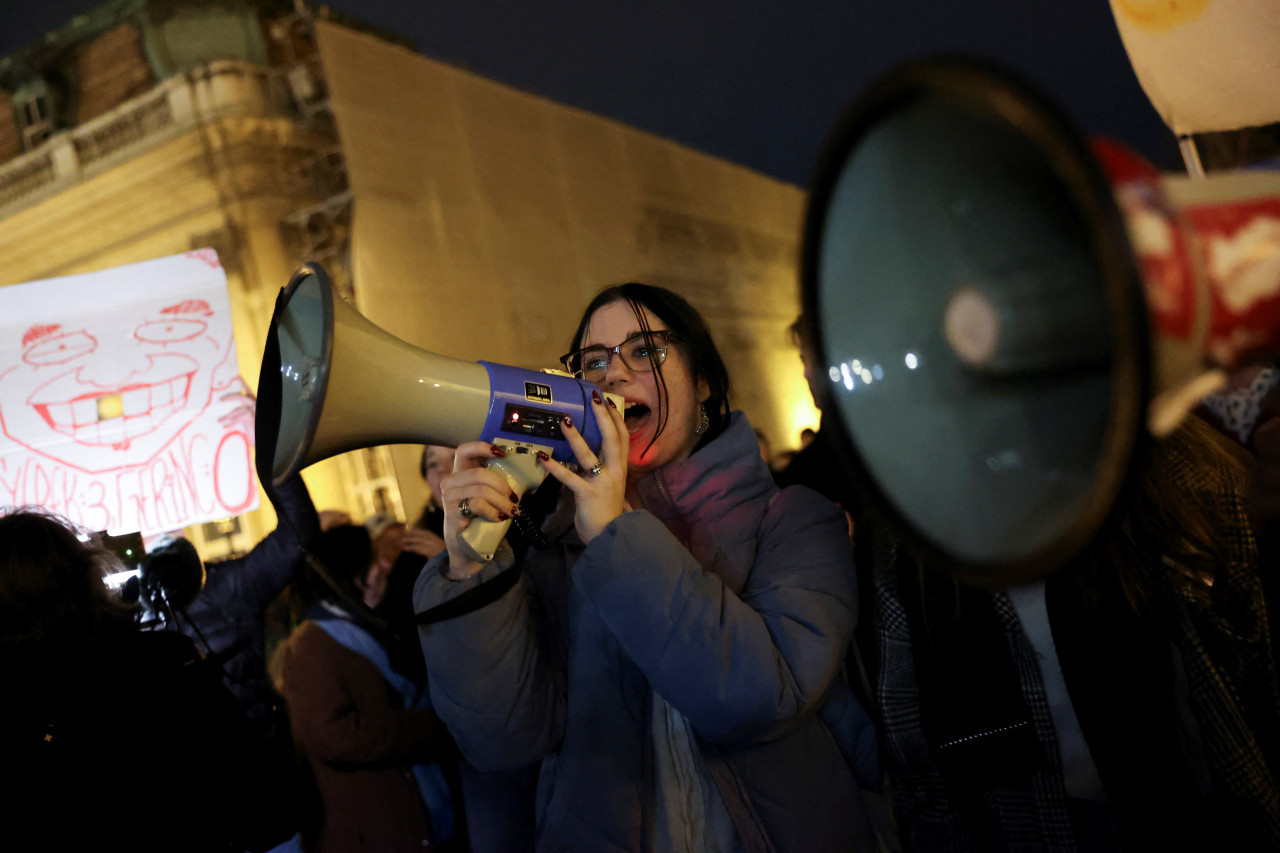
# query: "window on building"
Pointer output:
{"type": "Point", "coordinates": [369, 480]}
{"type": "Point", "coordinates": [33, 110]}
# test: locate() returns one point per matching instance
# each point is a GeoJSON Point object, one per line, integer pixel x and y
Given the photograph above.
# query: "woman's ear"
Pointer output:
{"type": "Point", "coordinates": [704, 390]}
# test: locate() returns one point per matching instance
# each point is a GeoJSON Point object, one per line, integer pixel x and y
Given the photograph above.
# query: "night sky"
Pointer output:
{"type": "Point", "coordinates": [758, 82]}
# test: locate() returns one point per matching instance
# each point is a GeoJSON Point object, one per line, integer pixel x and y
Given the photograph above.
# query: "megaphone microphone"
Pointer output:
{"type": "Point", "coordinates": [332, 382]}
{"type": "Point", "coordinates": [1006, 313]}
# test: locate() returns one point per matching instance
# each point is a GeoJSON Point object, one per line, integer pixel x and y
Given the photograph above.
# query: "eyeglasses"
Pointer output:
{"type": "Point", "coordinates": [593, 363]}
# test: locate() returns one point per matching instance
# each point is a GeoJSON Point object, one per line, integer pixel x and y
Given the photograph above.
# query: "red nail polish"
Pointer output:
{"type": "Point", "coordinates": [542, 457]}
{"type": "Point", "coordinates": [502, 516]}
{"type": "Point", "coordinates": [595, 397]}
{"type": "Point", "coordinates": [568, 421]}
{"type": "Point", "coordinates": [497, 451]}
{"type": "Point", "coordinates": [515, 499]}
{"type": "Point", "coordinates": [612, 404]}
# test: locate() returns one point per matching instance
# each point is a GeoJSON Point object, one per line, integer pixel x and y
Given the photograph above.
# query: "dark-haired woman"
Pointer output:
{"type": "Point", "coordinates": [113, 738]}
{"type": "Point", "coordinates": [673, 657]}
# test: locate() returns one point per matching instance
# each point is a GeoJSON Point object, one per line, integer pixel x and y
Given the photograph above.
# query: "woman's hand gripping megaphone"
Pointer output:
{"type": "Point", "coordinates": [483, 493]}
{"type": "Point", "coordinates": [316, 401]}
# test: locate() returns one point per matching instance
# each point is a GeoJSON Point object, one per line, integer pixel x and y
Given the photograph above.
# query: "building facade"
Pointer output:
{"type": "Point", "coordinates": [481, 217]}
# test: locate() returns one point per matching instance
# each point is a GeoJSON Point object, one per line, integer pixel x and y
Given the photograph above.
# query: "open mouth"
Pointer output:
{"type": "Point", "coordinates": [635, 416]}
{"type": "Point", "coordinates": [115, 417]}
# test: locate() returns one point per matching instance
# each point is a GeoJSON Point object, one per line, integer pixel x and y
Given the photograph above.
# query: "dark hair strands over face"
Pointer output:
{"type": "Point", "coordinates": [691, 334]}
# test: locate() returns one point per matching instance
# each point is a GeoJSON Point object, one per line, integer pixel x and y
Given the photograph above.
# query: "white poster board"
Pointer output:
{"type": "Point", "coordinates": [119, 403]}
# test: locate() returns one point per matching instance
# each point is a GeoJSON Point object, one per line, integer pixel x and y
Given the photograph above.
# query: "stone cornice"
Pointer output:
{"type": "Point", "coordinates": [218, 93]}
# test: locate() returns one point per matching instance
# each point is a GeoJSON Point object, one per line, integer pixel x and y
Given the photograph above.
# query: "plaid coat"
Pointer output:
{"type": "Point", "coordinates": [1208, 646]}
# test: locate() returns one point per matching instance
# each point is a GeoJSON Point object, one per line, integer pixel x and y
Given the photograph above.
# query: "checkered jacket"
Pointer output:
{"type": "Point", "coordinates": [1228, 653]}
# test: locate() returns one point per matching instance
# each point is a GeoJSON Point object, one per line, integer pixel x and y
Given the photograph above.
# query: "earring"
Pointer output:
{"type": "Point", "coordinates": [705, 423]}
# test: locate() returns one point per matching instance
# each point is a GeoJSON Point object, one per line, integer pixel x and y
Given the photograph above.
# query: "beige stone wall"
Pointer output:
{"type": "Point", "coordinates": [486, 218]}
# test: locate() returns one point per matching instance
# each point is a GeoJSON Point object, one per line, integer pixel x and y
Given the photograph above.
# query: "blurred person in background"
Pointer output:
{"type": "Point", "coordinates": [371, 739]}
{"type": "Point", "coordinates": [406, 550]}
{"type": "Point", "coordinates": [816, 464]}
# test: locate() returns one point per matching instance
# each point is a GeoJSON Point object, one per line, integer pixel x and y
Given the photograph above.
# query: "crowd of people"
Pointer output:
{"type": "Point", "coordinates": [678, 649]}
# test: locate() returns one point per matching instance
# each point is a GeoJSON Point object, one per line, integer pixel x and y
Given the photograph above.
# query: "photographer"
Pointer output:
{"type": "Point", "coordinates": [113, 738]}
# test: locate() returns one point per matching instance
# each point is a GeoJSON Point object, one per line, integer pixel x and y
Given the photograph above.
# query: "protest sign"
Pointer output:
{"type": "Point", "coordinates": [119, 397]}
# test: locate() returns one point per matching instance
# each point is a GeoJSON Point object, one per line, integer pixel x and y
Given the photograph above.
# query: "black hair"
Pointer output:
{"type": "Point", "coordinates": [347, 553]}
{"type": "Point", "coordinates": [798, 333]}
{"type": "Point", "coordinates": [51, 583]}
{"type": "Point", "coordinates": [174, 570]}
{"type": "Point", "coordinates": [691, 334]}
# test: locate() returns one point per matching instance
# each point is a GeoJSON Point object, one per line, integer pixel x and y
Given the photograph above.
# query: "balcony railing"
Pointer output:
{"type": "Point", "coordinates": [26, 175]}
{"type": "Point", "coordinates": [209, 93]}
{"type": "Point", "coordinates": [126, 130]}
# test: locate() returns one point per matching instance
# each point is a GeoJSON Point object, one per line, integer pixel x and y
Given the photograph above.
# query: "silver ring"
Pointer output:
{"type": "Point", "coordinates": [464, 508]}
{"type": "Point", "coordinates": [596, 469]}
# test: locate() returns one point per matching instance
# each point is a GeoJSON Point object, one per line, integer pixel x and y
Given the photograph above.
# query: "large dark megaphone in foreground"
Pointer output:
{"type": "Point", "coordinates": [332, 381]}
{"type": "Point", "coordinates": [1003, 311]}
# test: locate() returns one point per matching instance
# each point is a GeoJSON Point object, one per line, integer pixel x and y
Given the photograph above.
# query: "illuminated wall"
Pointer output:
{"type": "Point", "coordinates": [486, 218]}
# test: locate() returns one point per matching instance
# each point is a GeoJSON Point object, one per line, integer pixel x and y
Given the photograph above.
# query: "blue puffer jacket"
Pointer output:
{"type": "Point", "coordinates": [732, 600]}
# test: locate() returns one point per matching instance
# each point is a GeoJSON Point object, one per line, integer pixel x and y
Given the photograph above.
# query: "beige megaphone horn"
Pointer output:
{"type": "Point", "coordinates": [332, 381]}
{"type": "Point", "coordinates": [1005, 312]}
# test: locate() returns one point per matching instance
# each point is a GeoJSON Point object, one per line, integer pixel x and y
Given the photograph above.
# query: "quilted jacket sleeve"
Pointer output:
{"type": "Point", "coordinates": [490, 679]}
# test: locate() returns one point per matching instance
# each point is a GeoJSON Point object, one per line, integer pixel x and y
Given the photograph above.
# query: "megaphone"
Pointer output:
{"type": "Point", "coordinates": [1005, 314]}
{"type": "Point", "coordinates": [332, 382]}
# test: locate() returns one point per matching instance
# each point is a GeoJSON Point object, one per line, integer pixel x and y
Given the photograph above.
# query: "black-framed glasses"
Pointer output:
{"type": "Point", "coordinates": [639, 352]}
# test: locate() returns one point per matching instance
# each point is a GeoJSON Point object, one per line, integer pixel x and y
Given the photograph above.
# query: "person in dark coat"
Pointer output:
{"type": "Point", "coordinates": [222, 605]}
{"type": "Point", "coordinates": [1130, 701]}
{"type": "Point", "coordinates": [227, 619]}
{"type": "Point", "coordinates": [112, 738]}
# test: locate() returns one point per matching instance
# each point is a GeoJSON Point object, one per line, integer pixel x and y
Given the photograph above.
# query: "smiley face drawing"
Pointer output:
{"type": "Point", "coordinates": [111, 391]}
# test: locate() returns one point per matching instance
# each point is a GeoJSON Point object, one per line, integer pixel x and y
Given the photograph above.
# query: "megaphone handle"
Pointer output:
{"type": "Point", "coordinates": [482, 537]}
